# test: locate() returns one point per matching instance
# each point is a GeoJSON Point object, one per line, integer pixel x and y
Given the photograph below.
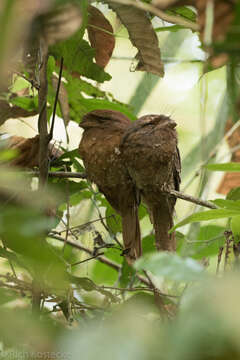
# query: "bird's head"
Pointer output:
{"type": "Point", "coordinates": [157, 120]}
{"type": "Point", "coordinates": [104, 119]}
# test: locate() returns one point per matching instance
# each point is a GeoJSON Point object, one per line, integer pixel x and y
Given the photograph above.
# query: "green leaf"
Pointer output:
{"type": "Point", "coordinates": [234, 194]}
{"type": "Point", "coordinates": [103, 274]}
{"type": "Point", "coordinates": [183, 11]}
{"type": "Point", "coordinates": [205, 216]}
{"type": "Point", "coordinates": [148, 244]}
{"type": "Point", "coordinates": [78, 56]}
{"type": "Point", "coordinates": [209, 239]}
{"type": "Point", "coordinates": [76, 198]}
{"type": "Point", "coordinates": [228, 204]}
{"type": "Point", "coordinates": [142, 211]}
{"type": "Point", "coordinates": [230, 167]}
{"type": "Point", "coordinates": [180, 239]}
{"type": "Point", "coordinates": [127, 274]}
{"type": "Point", "coordinates": [114, 221]}
{"type": "Point", "coordinates": [25, 102]}
{"type": "Point", "coordinates": [6, 296]}
{"type": "Point", "coordinates": [8, 154]}
{"type": "Point", "coordinates": [171, 266]}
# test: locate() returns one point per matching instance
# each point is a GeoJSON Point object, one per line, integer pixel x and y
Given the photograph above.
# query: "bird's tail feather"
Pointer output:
{"type": "Point", "coordinates": [131, 234]}
{"type": "Point", "coordinates": [163, 221]}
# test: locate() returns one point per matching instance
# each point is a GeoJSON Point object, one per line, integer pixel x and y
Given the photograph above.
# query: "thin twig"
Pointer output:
{"type": "Point", "coordinates": [137, 289]}
{"type": "Point", "coordinates": [59, 174]}
{"type": "Point", "coordinates": [32, 82]}
{"type": "Point", "coordinates": [82, 226]}
{"type": "Point", "coordinates": [88, 259]}
{"type": "Point", "coordinates": [102, 221]}
{"type": "Point", "coordinates": [157, 296]}
{"type": "Point", "coordinates": [56, 99]}
{"type": "Point", "coordinates": [178, 194]}
{"type": "Point", "coordinates": [102, 259]}
{"type": "Point", "coordinates": [67, 214]}
{"type": "Point", "coordinates": [178, 20]}
{"type": "Point", "coordinates": [192, 199]}
{"type": "Point", "coordinates": [79, 246]}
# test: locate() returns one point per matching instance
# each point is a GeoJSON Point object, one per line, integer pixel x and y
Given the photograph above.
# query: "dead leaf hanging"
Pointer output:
{"type": "Point", "coordinates": [142, 35]}
{"type": "Point", "coordinates": [100, 33]}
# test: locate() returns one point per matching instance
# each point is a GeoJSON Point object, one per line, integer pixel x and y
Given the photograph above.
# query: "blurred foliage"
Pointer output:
{"type": "Point", "coordinates": [91, 302]}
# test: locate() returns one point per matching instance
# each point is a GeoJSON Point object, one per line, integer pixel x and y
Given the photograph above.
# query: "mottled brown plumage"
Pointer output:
{"type": "Point", "coordinates": [149, 150]}
{"type": "Point", "coordinates": [99, 149]}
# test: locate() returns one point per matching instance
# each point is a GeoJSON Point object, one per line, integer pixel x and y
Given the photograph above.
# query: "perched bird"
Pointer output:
{"type": "Point", "coordinates": [99, 149]}
{"type": "Point", "coordinates": [149, 150]}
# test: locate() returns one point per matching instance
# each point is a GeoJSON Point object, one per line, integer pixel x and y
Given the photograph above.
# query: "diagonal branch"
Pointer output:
{"type": "Point", "coordinates": [178, 20]}
{"type": "Point", "coordinates": [56, 100]}
{"type": "Point", "coordinates": [192, 199]}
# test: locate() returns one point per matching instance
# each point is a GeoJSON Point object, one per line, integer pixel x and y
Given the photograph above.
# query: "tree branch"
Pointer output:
{"type": "Point", "coordinates": [177, 194]}
{"type": "Point", "coordinates": [178, 20]}
{"type": "Point", "coordinates": [192, 199]}
{"type": "Point", "coordinates": [102, 259]}
{"type": "Point", "coordinates": [56, 99]}
{"type": "Point", "coordinates": [59, 174]}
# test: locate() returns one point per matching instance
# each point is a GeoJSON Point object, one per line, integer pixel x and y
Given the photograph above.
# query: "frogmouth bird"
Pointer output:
{"type": "Point", "coordinates": [150, 153]}
{"type": "Point", "coordinates": [99, 149]}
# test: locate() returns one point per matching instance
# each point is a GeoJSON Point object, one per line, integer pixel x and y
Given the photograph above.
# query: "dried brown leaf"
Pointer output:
{"type": "Point", "coordinates": [98, 32]}
{"type": "Point", "coordinates": [143, 37]}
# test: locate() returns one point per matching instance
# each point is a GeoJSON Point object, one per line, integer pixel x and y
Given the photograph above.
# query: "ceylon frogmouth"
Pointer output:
{"type": "Point", "coordinates": [99, 149]}
{"type": "Point", "coordinates": [149, 150]}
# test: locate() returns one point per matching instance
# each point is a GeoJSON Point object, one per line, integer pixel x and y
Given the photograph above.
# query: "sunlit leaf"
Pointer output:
{"type": "Point", "coordinates": [230, 167]}
{"type": "Point", "coordinates": [207, 215]}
